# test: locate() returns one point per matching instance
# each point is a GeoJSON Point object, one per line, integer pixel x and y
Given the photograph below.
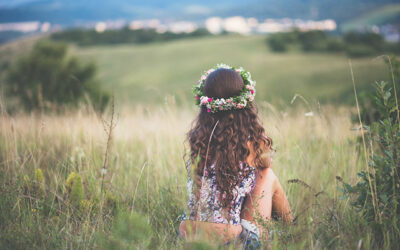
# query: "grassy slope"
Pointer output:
{"type": "Point", "coordinates": [376, 17]}
{"type": "Point", "coordinates": [146, 73]}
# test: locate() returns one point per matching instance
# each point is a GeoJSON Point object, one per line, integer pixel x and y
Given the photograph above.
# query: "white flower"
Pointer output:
{"type": "Point", "coordinates": [204, 100]}
{"type": "Point", "coordinates": [225, 66]}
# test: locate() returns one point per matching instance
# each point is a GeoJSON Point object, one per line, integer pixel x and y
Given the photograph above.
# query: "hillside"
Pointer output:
{"type": "Point", "coordinates": [147, 73]}
{"type": "Point", "coordinates": [386, 14]}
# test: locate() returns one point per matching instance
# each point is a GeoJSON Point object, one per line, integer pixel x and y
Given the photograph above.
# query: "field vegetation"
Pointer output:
{"type": "Point", "coordinates": [83, 179]}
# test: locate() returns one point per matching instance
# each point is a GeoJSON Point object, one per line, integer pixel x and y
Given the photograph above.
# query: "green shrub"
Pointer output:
{"type": "Point", "coordinates": [368, 110]}
{"type": "Point", "coordinates": [70, 181]}
{"type": "Point", "coordinates": [315, 40]}
{"type": "Point", "coordinates": [76, 194]}
{"type": "Point", "coordinates": [39, 182]}
{"type": "Point", "coordinates": [335, 45]}
{"type": "Point", "coordinates": [368, 39]}
{"type": "Point", "coordinates": [376, 195]}
{"type": "Point", "coordinates": [277, 43]}
{"type": "Point", "coordinates": [49, 78]}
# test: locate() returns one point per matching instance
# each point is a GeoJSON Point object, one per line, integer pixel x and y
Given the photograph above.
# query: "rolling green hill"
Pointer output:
{"type": "Point", "coordinates": [148, 73]}
{"type": "Point", "coordinates": [386, 14]}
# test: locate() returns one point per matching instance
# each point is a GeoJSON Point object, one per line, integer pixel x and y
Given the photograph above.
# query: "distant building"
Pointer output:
{"type": "Point", "coordinates": [238, 24]}
{"type": "Point", "coordinates": [214, 25]}
{"type": "Point", "coordinates": [21, 27]}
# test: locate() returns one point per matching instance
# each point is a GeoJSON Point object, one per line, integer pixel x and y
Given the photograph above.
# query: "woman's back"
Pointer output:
{"type": "Point", "coordinates": [204, 203]}
{"type": "Point", "coordinates": [228, 146]}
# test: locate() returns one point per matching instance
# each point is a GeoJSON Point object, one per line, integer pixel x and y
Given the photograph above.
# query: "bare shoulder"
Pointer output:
{"type": "Point", "coordinates": [266, 173]}
{"type": "Point", "coordinates": [266, 177]}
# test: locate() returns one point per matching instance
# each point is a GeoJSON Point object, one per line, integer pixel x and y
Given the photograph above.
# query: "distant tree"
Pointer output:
{"type": "Point", "coordinates": [277, 43]}
{"type": "Point", "coordinates": [48, 77]}
{"type": "Point", "coordinates": [280, 41]}
{"type": "Point", "coordinates": [314, 40]}
{"type": "Point", "coordinates": [123, 35]}
{"type": "Point", "coordinates": [369, 39]}
{"type": "Point", "coordinates": [335, 44]}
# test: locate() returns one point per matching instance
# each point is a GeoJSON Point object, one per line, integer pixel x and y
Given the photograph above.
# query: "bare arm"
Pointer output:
{"type": "Point", "coordinates": [257, 207]}
{"type": "Point", "coordinates": [280, 203]}
{"type": "Point", "coordinates": [267, 196]}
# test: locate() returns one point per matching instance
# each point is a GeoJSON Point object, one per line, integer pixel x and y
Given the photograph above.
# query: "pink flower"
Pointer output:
{"type": "Point", "coordinates": [209, 99]}
{"type": "Point", "coordinates": [237, 70]}
{"type": "Point", "coordinates": [204, 101]}
{"type": "Point", "coordinates": [251, 98]}
{"type": "Point", "coordinates": [239, 106]}
{"type": "Point", "coordinates": [252, 91]}
{"type": "Point", "coordinates": [197, 97]}
{"type": "Point", "coordinates": [208, 110]}
{"type": "Point", "coordinates": [199, 82]}
{"type": "Point", "coordinates": [203, 77]}
{"type": "Point", "coordinates": [220, 108]}
{"type": "Point", "coordinates": [209, 71]}
{"type": "Point", "coordinates": [212, 106]}
{"type": "Point", "coordinates": [228, 101]}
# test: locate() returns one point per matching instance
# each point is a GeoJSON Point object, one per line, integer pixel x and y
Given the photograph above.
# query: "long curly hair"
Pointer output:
{"type": "Point", "coordinates": [226, 138]}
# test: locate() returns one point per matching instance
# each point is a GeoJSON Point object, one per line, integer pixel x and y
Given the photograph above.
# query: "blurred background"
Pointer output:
{"type": "Point", "coordinates": [61, 52]}
{"type": "Point", "coordinates": [96, 97]}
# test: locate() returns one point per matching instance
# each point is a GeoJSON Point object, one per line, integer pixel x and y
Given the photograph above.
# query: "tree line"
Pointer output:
{"type": "Point", "coordinates": [354, 44]}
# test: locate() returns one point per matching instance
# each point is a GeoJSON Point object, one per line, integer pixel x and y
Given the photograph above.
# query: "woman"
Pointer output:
{"type": "Point", "coordinates": [231, 185]}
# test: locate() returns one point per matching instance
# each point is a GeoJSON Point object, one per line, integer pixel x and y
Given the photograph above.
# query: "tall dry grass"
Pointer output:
{"type": "Point", "coordinates": [145, 178]}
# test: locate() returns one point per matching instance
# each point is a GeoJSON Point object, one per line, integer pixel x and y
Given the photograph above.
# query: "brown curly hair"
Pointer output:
{"type": "Point", "coordinates": [223, 137]}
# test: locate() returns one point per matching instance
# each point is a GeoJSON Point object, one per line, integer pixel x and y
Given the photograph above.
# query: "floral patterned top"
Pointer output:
{"type": "Point", "coordinates": [209, 207]}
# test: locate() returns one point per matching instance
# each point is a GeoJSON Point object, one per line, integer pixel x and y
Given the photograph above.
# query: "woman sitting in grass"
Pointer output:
{"type": "Point", "coordinates": [232, 188]}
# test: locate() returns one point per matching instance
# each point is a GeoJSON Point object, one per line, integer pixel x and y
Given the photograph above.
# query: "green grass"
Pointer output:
{"type": "Point", "coordinates": [145, 74]}
{"type": "Point", "coordinates": [146, 179]}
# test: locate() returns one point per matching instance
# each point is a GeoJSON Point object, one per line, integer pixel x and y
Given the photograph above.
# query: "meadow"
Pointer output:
{"type": "Point", "coordinates": [147, 73]}
{"type": "Point", "coordinates": [63, 185]}
{"type": "Point", "coordinates": [146, 175]}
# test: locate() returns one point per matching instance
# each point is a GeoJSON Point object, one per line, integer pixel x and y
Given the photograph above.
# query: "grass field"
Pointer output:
{"type": "Point", "coordinates": [52, 191]}
{"type": "Point", "coordinates": [147, 73]}
{"type": "Point", "coordinates": [146, 176]}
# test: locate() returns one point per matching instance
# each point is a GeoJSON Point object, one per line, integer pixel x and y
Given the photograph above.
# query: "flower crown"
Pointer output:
{"type": "Point", "coordinates": [240, 101]}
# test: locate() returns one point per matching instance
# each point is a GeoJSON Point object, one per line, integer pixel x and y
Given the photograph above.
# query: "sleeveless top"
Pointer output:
{"type": "Point", "coordinates": [208, 207]}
